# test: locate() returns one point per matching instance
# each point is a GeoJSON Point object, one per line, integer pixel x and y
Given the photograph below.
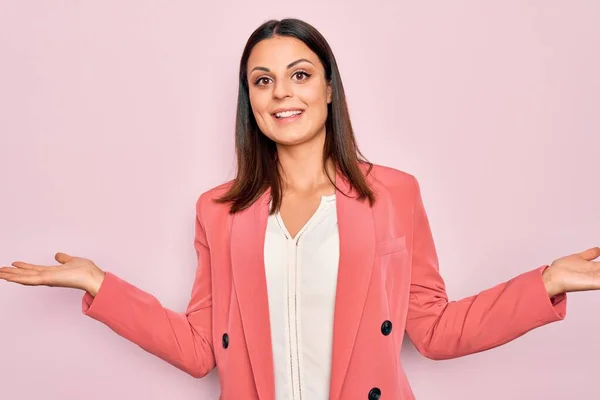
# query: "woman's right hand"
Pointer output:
{"type": "Point", "coordinates": [73, 272]}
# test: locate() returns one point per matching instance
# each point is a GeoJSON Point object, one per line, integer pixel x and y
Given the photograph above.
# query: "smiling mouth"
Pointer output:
{"type": "Point", "coordinates": [288, 114]}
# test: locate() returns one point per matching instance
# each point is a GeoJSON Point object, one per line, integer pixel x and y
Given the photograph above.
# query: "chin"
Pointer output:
{"type": "Point", "coordinates": [290, 141]}
{"type": "Point", "coordinates": [288, 138]}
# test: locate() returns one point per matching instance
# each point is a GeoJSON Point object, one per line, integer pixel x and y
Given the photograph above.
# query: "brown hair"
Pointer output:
{"type": "Point", "coordinates": [257, 167]}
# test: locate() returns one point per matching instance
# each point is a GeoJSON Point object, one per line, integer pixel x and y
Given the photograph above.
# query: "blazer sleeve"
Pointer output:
{"type": "Point", "coordinates": [442, 329]}
{"type": "Point", "coordinates": [183, 339]}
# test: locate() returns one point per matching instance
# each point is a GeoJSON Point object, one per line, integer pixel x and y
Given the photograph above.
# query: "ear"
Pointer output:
{"type": "Point", "coordinates": [329, 91]}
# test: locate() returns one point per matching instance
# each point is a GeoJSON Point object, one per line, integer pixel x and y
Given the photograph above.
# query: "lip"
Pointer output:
{"type": "Point", "coordinates": [286, 109]}
{"type": "Point", "coordinates": [287, 120]}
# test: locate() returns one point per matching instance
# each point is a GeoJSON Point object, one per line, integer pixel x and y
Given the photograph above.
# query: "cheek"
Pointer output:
{"type": "Point", "coordinates": [316, 99]}
{"type": "Point", "coordinates": [256, 102]}
{"type": "Point", "coordinates": [317, 103]}
{"type": "Point", "coordinates": [312, 95]}
{"type": "Point", "coordinates": [259, 104]}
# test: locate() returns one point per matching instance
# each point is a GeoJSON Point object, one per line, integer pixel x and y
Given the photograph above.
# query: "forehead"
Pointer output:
{"type": "Point", "coordinates": [277, 52]}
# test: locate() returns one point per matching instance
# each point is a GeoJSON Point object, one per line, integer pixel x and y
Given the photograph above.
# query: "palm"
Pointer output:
{"type": "Point", "coordinates": [72, 272]}
{"type": "Point", "coordinates": [577, 272]}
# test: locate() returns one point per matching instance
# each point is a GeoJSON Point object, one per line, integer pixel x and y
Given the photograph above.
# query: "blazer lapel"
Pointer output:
{"type": "Point", "coordinates": [357, 251]}
{"type": "Point", "coordinates": [248, 269]}
{"type": "Point", "coordinates": [357, 254]}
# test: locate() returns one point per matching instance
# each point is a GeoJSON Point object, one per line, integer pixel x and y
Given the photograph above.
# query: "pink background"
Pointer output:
{"type": "Point", "coordinates": [115, 116]}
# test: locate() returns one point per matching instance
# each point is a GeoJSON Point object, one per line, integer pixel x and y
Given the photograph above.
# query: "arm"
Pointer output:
{"type": "Point", "coordinates": [182, 339]}
{"type": "Point", "coordinates": [442, 329]}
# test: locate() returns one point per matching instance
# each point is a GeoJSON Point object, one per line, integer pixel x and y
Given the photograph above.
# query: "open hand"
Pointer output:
{"type": "Point", "coordinates": [573, 273]}
{"type": "Point", "coordinates": [73, 272]}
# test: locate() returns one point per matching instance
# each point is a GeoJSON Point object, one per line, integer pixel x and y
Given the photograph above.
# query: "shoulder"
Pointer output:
{"type": "Point", "coordinates": [382, 176]}
{"type": "Point", "coordinates": [205, 204]}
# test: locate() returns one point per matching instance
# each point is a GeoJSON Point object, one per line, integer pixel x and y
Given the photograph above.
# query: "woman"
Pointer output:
{"type": "Point", "coordinates": [312, 262]}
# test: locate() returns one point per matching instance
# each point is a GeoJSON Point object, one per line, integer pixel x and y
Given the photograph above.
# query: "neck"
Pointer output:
{"type": "Point", "coordinates": [302, 169]}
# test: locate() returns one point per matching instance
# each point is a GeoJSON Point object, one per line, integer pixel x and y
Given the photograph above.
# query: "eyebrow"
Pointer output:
{"type": "Point", "coordinates": [290, 65]}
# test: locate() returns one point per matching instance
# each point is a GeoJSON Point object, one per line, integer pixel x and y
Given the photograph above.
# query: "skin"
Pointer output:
{"type": "Point", "coordinates": [290, 83]}
{"type": "Point", "coordinates": [300, 151]}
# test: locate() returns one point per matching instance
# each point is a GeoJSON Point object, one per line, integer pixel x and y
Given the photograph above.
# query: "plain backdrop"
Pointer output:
{"type": "Point", "coordinates": [115, 116]}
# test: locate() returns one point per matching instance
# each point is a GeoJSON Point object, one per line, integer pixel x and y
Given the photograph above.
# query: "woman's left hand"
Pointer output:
{"type": "Point", "coordinates": [573, 273]}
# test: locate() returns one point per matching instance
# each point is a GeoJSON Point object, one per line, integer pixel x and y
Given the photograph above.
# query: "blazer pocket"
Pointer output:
{"type": "Point", "coordinates": [390, 246]}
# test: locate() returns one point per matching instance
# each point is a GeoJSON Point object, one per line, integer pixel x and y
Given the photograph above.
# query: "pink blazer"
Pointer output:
{"type": "Point", "coordinates": [388, 283]}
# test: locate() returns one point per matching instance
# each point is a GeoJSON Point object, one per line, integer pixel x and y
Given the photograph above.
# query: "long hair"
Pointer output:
{"type": "Point", "coordinates": [257, 164]}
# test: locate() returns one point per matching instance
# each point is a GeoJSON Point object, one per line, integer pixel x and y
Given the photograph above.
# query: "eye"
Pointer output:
{"type": "Point", "coordinates": [261, 81]}
{"type": "Point", "coordinates": [302, 73]}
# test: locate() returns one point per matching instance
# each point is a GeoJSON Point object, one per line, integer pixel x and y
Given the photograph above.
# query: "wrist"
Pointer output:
{"type": "Point", "coordinates": [97, 277]}
{"type": "Point", "coordinates": [550, 282]}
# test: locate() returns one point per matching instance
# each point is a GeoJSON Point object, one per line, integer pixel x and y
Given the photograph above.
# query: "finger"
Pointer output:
{"type": "Point", "coordinates": [19, 271]}
{"type": "Point", "coordinates": [62, 257]}
{"type": "Point", "coordinates": [24, 265]}
{"type": "Point", "coordinates": [29, 280]}
{"type": "Point", "coordinates": [591, 253]}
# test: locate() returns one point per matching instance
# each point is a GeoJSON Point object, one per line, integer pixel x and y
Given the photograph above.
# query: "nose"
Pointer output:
{"type": "Point", "coordinates": [282, 89]}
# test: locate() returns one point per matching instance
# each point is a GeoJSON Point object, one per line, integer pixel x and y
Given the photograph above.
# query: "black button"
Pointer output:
{"type": "Point", "coordinates": [225, 340]}
{"type": "Point", "coordinates": [374, 394]}
{"type": "Point", "coordinates": [386, 327]}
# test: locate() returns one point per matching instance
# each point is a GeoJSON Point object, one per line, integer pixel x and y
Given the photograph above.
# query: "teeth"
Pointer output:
{"type": "Point", "coordinates": [287, 113]}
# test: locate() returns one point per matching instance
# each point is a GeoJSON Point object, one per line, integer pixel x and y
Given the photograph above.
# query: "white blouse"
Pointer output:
{"type": "Point", "coordinates": [301, 277]}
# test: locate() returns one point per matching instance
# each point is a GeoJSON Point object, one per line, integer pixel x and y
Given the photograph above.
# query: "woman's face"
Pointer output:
{"type": "Point", "coordinates": [284, 75]}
